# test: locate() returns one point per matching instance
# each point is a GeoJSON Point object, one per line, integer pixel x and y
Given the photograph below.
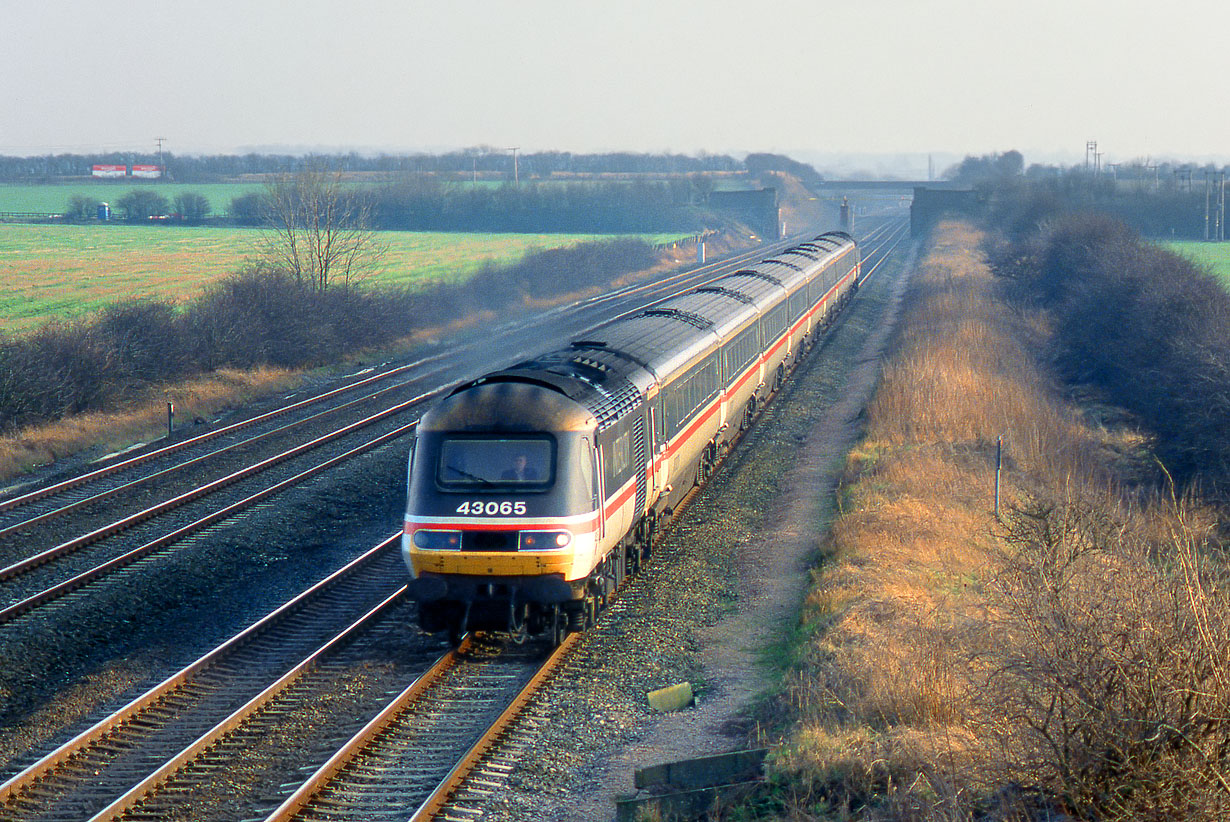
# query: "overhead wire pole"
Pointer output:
{"type": "Point", "coordinates": [162, 169]}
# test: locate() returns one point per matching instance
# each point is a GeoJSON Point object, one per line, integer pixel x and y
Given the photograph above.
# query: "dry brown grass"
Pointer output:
{"type": "Point", "coordinates": [142, 421]}
{"type": "Point", "coordinates": [943, 637]}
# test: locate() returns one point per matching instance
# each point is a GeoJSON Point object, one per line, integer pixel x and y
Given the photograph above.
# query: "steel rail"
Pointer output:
{"type": "Point", "coordinates": [18, 568]}
{"type": "Point", "coordinates": [368, 734]}
{"type": "Point", "coordinates": [138, 792]}
{"type": "Point", "coordinates": [131, 462]}
{"type": "Point", "coordinates": [59, 590]}
{"type": "Point", "coordinates": [371, 734]}
{"type": "Point", "coordinates": [50, 762]}
{"type": "Point", "coordinates": [180, 466]}
{"type": "Point", "coordinates": [474, 756]}
{"type": "Point", "coordinates": [896, 237]}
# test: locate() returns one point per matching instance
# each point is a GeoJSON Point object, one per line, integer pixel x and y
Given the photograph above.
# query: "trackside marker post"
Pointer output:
{"type": "Point", "coordinates": [999, 464]}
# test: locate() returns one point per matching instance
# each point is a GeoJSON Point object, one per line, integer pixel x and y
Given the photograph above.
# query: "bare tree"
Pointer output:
{"type": "Point", "coordinates": [319, 230]}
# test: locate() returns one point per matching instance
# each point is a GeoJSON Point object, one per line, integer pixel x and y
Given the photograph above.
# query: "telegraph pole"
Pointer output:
{"type": "Point", "coordinates": [161, 166]}
{"type": "Point", "coordinates": [1207, 183]}
{"type": "Point", "coordinates": [1220, 224]}
{"type": "Point", "coordinates": [514, 150]}
{"type": "Point", "coordinates": [1091, 150]}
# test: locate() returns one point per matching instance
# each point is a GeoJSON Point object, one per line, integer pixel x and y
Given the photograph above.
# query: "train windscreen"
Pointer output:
{"type": "Point", "coordinates": [472, 463]}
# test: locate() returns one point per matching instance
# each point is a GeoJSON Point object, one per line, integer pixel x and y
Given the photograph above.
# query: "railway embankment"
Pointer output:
{"type": "Point", "coordinates": [1062, 659]}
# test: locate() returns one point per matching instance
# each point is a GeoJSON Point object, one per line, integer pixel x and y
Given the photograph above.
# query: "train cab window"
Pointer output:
{"type": "Point", "coordinates": [504, 463]}
{"type": "Point", "coordinates": [410, 465]}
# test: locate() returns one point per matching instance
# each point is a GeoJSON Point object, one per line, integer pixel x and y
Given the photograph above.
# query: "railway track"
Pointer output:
{"type": "Point", "coordinates": [184, 712]}
{"type": "Point", "coordinates": [428, 741]}
{"type": "Point", "coordinates": [188, 735]}
{"type": "Point", "coordinates": [177, 747]}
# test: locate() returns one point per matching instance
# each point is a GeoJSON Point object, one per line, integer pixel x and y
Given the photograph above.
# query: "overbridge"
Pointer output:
{"type": "Point", "coordinates": [888, 185]}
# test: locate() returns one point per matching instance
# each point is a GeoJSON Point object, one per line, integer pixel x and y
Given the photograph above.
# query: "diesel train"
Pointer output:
{"type": "Point", "coordinates": [534, 490]}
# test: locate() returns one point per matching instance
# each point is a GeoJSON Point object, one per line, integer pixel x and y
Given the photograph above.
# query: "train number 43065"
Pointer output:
{"type": "Point", "coordinates": [491, 509]}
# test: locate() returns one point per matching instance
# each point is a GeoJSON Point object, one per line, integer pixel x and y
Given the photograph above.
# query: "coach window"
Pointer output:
{"type": "Point", "coordinates": [774, 322]}
{"type": "Point", "coordinates": [799, 302]}
{"type": "Point", "coordinates": [617, 459]}
{"type": "Point", "coordinates": [740, 351]}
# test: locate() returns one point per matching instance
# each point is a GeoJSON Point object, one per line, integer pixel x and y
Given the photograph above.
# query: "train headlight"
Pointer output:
{"type": "Point", "coordinates": [544, 540]}
{"type": "Point", "coordinates": [437, 540]}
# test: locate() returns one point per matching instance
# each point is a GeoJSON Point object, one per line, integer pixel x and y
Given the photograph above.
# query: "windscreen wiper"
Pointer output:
{"type": "Point", "coordinates": [468, 475]}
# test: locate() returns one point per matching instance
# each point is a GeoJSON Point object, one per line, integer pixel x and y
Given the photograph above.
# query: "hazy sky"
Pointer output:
{"type": "Point", "coordinates": [856, 76]}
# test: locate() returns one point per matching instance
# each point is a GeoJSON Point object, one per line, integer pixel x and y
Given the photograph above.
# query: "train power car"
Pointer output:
{"type": "Point", "coordinates": [534, 490]}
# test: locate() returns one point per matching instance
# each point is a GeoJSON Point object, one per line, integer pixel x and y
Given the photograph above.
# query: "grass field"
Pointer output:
{"type": "Point", "coordinates": [1216, 256]}
{"type": "Point", "coordinates": [67, 271]}
{"type": "Point", "coordinates": [52, 199]}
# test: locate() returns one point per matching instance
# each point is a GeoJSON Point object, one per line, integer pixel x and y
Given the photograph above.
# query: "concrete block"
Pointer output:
{"type": "Point", "coordinates": [672, 698]}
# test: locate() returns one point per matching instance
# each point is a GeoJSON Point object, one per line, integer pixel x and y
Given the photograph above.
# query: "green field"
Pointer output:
{"type": "Point", "coordinates": [67, 271]}
{"type": "Point", "coordinates": [1214, 256]}
{"type": "Point", "coordinates": [52, 199]}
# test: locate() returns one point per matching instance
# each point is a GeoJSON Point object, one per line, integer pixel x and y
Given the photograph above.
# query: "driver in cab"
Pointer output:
{"type": "Point", "coordinates": [521, 470]}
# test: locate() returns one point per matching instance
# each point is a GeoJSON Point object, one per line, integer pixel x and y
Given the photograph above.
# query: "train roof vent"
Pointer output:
{"type": "Point", "coordinates": [726, 292]}
{"type": "Point", "coordinates": [590, 363]}
{"type": "Point", "coordinates": [610, 395]}
{"type": "Point", "coordinates": [615, 352]}
{"type": "Point", "coordinates": [703, 323]}
{"type": "Point", "coordinates": [786, 263]}
{"type": "Point", "coordinates": [760, 274]}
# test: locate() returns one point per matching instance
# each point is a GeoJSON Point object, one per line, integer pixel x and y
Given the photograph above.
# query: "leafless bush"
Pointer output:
{"type": "Point", "coordinates": [60, 368]}
{"type": "Point", "coordinates": [145, 337]}
{"type": "Point", "coordinates": [1110, 689]}
{"type": "Point", "coordinates": [1146, 327]}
